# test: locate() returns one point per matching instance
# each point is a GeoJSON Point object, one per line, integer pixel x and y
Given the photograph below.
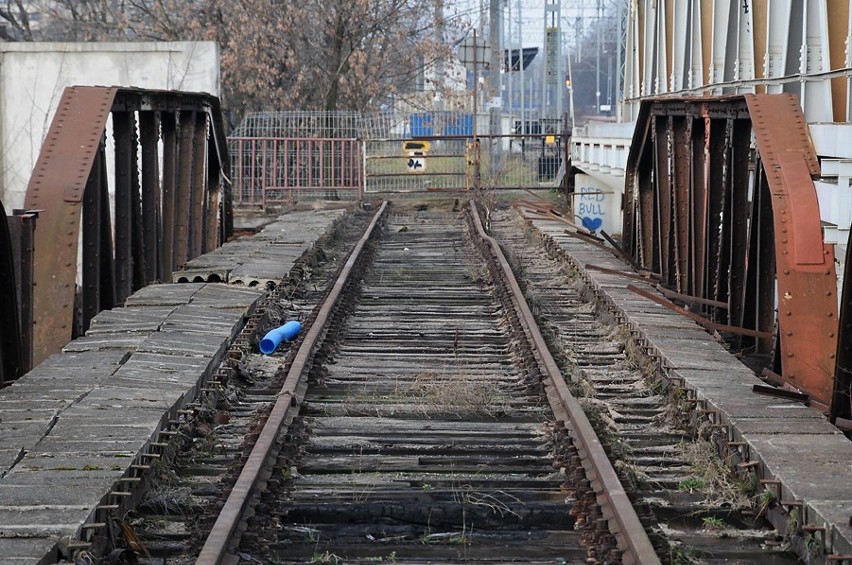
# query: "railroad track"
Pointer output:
{"type": "Point", "coordinates": [422, 437]}
{"type": "Point", "coordinates": [420, 418]}
{"type": "Point", "coordinates": [209, 445]}
{"type": "Point", "coordinates": [698, 510]}
{"type": "Point", "coordinates": [418, 421]}
{"type": "Point", "coordinates": [423, 427]}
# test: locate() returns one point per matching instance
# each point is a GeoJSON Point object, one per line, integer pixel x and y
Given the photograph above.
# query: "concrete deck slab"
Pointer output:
{"type": "Point", "coordinates": [74, 425]}
{"type": "Point", "coordinates": [134, 320]}
{"type": "Point", "coordinates": [196, 318]}
{"type": "Point", "coordinates": [81, 363]}
{"type": "Point", "coordinates": [183, 343]}
{"type": "Point", "coordinates": [36, 490]}
{"type": "Point", "coordinates": [227, 297]}
{"type": "Point", "coordinates": [792, 443]}
{"type": "Point", "coordinates": [122, 342]}
{"type": "Point", "coordinates": [24, 551]}
{"type": "Point", "coordinates": [122, 398]}
{"type": "Point", "coordinates": [164, 295]}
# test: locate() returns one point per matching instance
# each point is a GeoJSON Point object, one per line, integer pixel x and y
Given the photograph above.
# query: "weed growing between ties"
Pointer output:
{"type": "Point", "coordinates": [326, 557]}
{"type": "Point", "coordinates": [714, 479]}
{"type": "Point", "coordinates": [459, 395]}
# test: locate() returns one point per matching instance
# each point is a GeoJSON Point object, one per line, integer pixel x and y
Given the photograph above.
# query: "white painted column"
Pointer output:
{"type": "Point", "coordinates": [777, 42]}
{"type": "Point", "coordinates": [816, 94]}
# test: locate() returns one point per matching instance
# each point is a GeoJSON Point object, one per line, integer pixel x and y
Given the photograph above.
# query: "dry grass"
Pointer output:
{"type": "Point", "coordinates": [459, 395]}
{"type": "Point", "coordinates": [718, 483]}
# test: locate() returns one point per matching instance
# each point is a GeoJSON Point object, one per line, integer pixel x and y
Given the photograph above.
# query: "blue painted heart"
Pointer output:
{"type": "Point", "coordinates": [592, 224]}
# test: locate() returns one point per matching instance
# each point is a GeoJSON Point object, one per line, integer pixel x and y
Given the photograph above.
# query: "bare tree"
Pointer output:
{"type": "Point", "coordinates": [16, 14]}
{"type": "Point", "coordinates": [325, 55]}
{"type": "Point", "coordinates": [308, 54]}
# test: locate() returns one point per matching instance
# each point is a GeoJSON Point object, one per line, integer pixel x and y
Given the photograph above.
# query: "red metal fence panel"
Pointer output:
{"type": "Point", "coordinates": [282, 170]}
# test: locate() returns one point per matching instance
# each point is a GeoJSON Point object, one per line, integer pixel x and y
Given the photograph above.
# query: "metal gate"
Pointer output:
{"type": "Point", "coordinates": [285, 170]}
{"type": "Point", "coordinates": [460, 163]}
{"type": "Point", "coordinates": [417, 165]}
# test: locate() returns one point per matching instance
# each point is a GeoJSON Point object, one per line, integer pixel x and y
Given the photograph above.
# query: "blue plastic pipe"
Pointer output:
{"type": "Point", "coordinates": [273, 339]}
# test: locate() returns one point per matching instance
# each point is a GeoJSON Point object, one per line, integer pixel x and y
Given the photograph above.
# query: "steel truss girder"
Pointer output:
{"type": "Point", "coordinates": [151, 228]}
{"type": "Point", "coordinates": [720, 204]}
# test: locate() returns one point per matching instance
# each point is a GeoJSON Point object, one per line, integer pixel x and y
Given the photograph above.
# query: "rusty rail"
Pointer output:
{"type": "Point", "coordinates": [617, 509]}
{"type": "Point", "coordinates": [289, 398]}
{"type": "Point", "coordinates": [160, 218]}
{"type": "Point", "coordinates": [723, 224]}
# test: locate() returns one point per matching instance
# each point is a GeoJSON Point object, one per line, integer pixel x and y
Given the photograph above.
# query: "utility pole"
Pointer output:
{"type": "Point", "coordinates": [523, 82]}
{"type": "Point", "coordinates": [598, 62]}
{"type": "Point", "coordinates": [477, 154]}
{"type": "Point", "coordinates": [495, 26]}
{"type": "Point", "coordinates": [438, 98]}
{"type": "Point", "coordinates": [620, 58]}
{"type": "Point", "coordinates": [495, 93]}
{"type": "Point", "coordinates": [510, 45]}
{"type": "Point", "coordinates": [552, 79]}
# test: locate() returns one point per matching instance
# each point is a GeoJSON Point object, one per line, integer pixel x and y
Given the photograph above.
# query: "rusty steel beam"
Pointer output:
{"type": "Point", "coordinates": [16, 272]}
{"type": "Point", "coordinates": [170, 159]}
{"type": "Point", "coordinates": [198, 186]}
{"type": "Point", "coordinates": [723, 223]}
{"type": "Point", "coordinates": [149, 127]}
{"type": "Point", "coordinates": [23, 232]}
{"type": "Point", "coordinates": [807, 281]}
{"type": "Point", "coordinates": [134, 242]}
{"type": "Point", "coordinates": [703, 322]}
{"type": "Point", "coordinates": [124, 129]}
{"type": "Point", "coordinates": [98, 292]}
{"type": "Point", "coordinates": [183, 189]}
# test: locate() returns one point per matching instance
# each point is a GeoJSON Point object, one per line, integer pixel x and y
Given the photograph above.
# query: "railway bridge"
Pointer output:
{"type": "Point", "coordinates": [401, 344]}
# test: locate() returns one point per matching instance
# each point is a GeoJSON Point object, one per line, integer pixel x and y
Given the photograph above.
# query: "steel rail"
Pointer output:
{"type": "Point", "coordinates": [618, 510]}
{"type": "Point", "coordinates": [215, 548]}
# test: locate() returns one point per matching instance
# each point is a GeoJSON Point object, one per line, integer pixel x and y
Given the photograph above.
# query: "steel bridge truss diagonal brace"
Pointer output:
{"type": "Point", "coordinates": [157, 219]}
{"type": "Point", "coordinates": [721, 205]}
{"type": "Point", "coordinates": [807, 304]}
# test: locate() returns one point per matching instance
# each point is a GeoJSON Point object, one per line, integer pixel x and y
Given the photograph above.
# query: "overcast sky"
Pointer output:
{"type": "Point", "coordinates": [530, 14]}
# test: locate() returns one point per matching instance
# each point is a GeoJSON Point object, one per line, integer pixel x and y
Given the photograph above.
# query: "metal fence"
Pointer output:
{"type": "Point", "coordinates": [521, 161]}
{"type": "Point", "coordinates": [274, 170]}
{"type": "Point", "coordinates": [437, 164]}
{"type": "Point", "coordinates": [301, 124]}
{"type": "Point", "coordinates": [286, 157]}
{"type": "Point", "coordinates": [454, 163]}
